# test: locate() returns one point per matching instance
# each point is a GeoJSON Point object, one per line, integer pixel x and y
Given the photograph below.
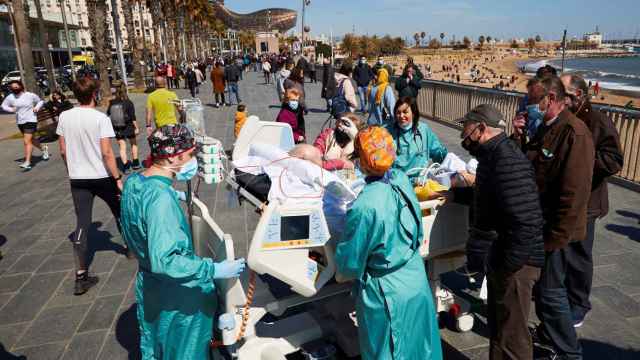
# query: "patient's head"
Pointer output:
{"type": "Point", "coordinates": [307, 152]}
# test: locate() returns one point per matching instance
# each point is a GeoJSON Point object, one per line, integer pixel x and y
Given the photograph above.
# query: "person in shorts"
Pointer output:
{"type": "Point", "coordinates": [123, 118]}
{"type": "Point", "coordinates": [26, 106]}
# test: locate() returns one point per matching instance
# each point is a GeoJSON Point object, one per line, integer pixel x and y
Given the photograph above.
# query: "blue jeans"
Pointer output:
{"type": "Point", "coordinates": [362, 96]}
{"type": "Point", "coordinates": [233, 89]}
{"type": "Point", "coordinates": [552, 305]}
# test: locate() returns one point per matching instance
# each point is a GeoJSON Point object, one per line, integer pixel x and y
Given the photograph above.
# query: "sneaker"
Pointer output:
{"type": "Point", "coordinates": [539, 339]}
{"type": "Point", "coordinates": [126, 167]}
{"type": "Point", "coordinates": [26, 166]}
{"type": "Point", "coordinates": [84, 282]}
{"type": "Point", "coordinates": [135, 164]}
{"type": "Point", "coordinates": [45, 152]}
{"type": "Point", "coordinates": [578, 321]}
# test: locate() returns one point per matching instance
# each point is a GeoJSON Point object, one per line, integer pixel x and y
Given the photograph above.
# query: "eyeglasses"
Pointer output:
{"type": "Point", "coordinates": [464, 138]}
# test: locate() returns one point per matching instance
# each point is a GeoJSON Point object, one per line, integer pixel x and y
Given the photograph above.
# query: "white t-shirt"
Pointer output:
{"type": "Point", "coordinates": [23, 107]}
{"type": "Point", "coordinates": [82, 129]}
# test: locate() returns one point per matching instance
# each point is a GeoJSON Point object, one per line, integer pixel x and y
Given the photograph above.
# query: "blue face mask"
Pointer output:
{"type": "Point", "coordinates": [406, 126]}
{"type": "Point", "coordinates": [534, 119]}
{"type": "Point", "coordinates": [187, 171]}
{"type": "Point", "coordinates": [293, 104]}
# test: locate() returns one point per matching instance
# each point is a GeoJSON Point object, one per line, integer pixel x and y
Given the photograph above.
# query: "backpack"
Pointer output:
{"type": "Point", "coordinates": [118, 116]}
{"type": "Point", "coordinates": [339, 104]}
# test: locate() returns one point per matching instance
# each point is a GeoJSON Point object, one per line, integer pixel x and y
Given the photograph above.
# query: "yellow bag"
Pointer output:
{"type": "Point", "coordinates": [429, 191]}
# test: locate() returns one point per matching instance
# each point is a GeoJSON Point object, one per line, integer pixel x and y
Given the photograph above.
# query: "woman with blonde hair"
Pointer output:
{"type": "Point", "coordinates": [381, 100]}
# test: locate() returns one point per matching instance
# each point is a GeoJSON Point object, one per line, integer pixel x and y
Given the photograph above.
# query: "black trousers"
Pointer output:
{"type": "Point", "coordinates": [83, 192]}
{"type": "Point", "coordinates": [580, 272]}
{"type": "Point", "coordinates": [219, 98]}
{"type": "Point", "coordinates": [552, 305]}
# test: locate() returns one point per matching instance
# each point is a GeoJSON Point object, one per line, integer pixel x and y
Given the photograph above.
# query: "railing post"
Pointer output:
{"type": "Point", "coordinates": [468, 101]}
{"type": "Point", "coordinates": [435, 90]}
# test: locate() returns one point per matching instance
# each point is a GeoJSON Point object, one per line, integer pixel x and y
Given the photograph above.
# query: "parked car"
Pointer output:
{"type": "Point", "coordinates": [11, 75]}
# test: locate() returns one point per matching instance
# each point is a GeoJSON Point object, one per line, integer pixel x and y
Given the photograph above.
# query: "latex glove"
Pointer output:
{"type": "Point", "coordinates": [228, 269]}
{"type": "Point", "coordinates": [182, 196]}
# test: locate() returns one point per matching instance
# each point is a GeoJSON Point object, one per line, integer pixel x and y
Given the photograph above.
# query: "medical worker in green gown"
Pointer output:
{"type": "Point", "coordinates": [174, 287]}
{"type": "Point", "coordinates": [416, 144]}
{"type": "Point", "coordinates": [379, 249]}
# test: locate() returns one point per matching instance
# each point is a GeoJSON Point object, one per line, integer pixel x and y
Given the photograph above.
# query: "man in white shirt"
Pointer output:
{"type": "Point", "coordinates": [85, 145]}
{"type": "Point", "coordinates": [25, 105]}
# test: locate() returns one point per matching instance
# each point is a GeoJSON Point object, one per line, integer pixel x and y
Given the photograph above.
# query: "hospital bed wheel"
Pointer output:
{"type": "Point", "coordinates": [464, 322]}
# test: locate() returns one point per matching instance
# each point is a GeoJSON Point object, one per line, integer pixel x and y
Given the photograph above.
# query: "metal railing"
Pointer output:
{"type": "Point", "coordinates": [447, 102]}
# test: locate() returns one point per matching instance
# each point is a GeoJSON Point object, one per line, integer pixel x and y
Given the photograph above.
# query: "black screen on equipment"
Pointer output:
{"type": "Point", "coordinates": [294, 228]}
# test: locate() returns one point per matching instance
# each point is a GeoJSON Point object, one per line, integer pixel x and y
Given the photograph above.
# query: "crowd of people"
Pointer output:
{"type": "Point", "coordinates": [535, 198]}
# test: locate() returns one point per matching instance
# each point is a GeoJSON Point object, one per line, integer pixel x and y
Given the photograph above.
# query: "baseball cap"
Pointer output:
{"type": "Point", "coordinates": [486, 113]}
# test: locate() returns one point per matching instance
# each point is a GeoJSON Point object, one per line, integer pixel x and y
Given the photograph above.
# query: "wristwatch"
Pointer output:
{"type": "Point", "coordinates": [118, 178]}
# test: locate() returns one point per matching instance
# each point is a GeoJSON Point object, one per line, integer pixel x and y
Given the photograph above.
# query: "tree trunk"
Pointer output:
{"type": "Point", "coordinates": [132, 39]}
{"type": "Point", "coordinates": [98, 28]}
{"type": "Point", "coordinates": [44, 45]}
{"type": "Point", "coordinates": [142, 35]}
{"type": "Point", "coordinates": [23, 33]}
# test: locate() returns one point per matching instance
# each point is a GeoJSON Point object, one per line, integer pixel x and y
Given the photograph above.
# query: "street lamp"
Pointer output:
{"type": "Point", "coordinates": [305, 3]}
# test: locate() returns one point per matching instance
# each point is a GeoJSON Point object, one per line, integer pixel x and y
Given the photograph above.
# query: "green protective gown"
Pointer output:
{"type": "Point", "coordinates": [415, 150]}
{"type": "Point", "coordinates": [174, 287]}
{"type": "Point", "coordinates": [394, 306]}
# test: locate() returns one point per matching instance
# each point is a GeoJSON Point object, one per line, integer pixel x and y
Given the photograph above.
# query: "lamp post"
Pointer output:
{"type": "Point", "coordinates": [305, 3]}
{"type": "Point", "coordinates": [66, 36]}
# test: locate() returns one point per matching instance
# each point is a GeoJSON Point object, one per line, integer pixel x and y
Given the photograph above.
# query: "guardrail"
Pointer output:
{"type": "Point", "coordinates": [447, 102]}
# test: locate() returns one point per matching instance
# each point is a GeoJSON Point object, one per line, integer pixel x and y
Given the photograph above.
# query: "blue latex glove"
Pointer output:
{"type": "Point", "coordinates": [228, 269]}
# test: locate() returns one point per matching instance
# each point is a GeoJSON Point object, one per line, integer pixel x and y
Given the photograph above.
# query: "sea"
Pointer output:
{"type": "Point", "coordinates": [613, 73]}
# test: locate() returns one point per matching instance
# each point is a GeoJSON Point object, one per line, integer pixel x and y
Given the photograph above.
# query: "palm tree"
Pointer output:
{"type": "Point", "coordinates": [467, 42]}
{"type": "Point", "coordinates": [44, 43]}
{"type": "Point", "coordinates": [422, 36]}
{"type": "Point", "coordinates": [481, 40]}
{"type": "Point", "coordinates": [101, 49]}
{"type": "Point", "coordinates": [134, 43]}
{"type": "Point", "coordinates": [531, 44]}
{"type": "Point", "coordinates": [416, 37]}
{"type": "Point", "coordinates": [442, 37]}
{"type": "Point", "coordinates": [538, 38]}
{"type": "Point", "coordinates": [20, 20]}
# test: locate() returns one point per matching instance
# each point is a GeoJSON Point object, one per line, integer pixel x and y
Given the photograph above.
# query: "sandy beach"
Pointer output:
{"type": "Point", "coordinates": [493, 68]}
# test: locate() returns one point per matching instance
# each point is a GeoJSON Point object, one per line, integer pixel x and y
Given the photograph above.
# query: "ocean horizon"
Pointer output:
{"type": "Point", "coordinates": [612, 73]}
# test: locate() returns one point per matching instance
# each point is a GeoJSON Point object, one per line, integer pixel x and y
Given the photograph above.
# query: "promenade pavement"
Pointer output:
{"type": "Point", "coordinates": [41, 319]}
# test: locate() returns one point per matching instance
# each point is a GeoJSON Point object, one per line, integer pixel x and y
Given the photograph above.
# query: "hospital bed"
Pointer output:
{"type": "Point", "coordinates": [293, 246]}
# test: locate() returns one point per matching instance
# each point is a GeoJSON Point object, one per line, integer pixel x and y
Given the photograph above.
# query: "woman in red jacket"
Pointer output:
{"type": "Point", "coordinates": [292, 114]}
{"type": "Point", "coordinates": [336, 144]}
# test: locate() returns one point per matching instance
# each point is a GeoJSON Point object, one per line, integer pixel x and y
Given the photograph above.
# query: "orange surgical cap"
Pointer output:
{"type": "Point", "coordinates": [376, 150]}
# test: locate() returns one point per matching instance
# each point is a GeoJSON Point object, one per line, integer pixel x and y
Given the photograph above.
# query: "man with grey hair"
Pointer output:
{"type": "Point", "coordinates": [562, 154]}
{"type": "Point", "coordinates": [505, 203]}
{"type": "Point", "coordinates": [608, 161]}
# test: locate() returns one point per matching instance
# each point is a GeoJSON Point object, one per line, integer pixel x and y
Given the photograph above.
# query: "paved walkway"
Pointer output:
{"type": "Point", "coordinates": [41, 319]}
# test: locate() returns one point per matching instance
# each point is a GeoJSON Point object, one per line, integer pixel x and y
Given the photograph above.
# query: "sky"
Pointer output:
{"type": "Point", "coordinates": [503, 19]}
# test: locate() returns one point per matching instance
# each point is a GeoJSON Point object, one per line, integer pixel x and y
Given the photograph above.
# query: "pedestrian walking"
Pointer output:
{"type": "Point", "coordinates": [160, 108]}
{"type": "Point", "coordinates": [363, 75]}
{"type": "Point", "coordinates": [26, 106]}
{"type": "Point", "coordinates": [382, 101]}
{"type": "Point", "coordinates": [266, 69]}
{"type": "Point", "coordinates": [328, 82]}
{"type": "Point", "coordinates": [217, 78]}
{"type": "Point", "coordinates": [85, 146]}
{"type": "Point", "coordinates": [233, 74]}
{"type": "Point", "coordinates": [123, 119]}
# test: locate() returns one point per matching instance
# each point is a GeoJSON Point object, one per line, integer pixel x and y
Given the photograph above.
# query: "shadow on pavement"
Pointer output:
{"type": "Point", "coordinates": [99, 240]}
{"type": "Point", "coordinates": [632, 232]}
{"type": "Point", "coordinates": [630, 214]}
{"type": "Point", "coordinates": [128, 332]}
{"type": "Point", "coordinates": [5, 355]}
{"type": "Point", "coordinates": [593, 350]}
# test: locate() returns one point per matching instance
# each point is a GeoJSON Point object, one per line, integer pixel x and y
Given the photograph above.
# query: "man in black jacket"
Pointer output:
{"type": "Point", "coordinates": [505, 203]}
{"type": "Point", "coordinates": [232, 73]}
{"type": "Point", "coordinates": [608, 162]}
{"type": "Point", "coordinates": [362, 74]}
{"type": "Point", "coordinates": [408, 85]}
{"type": "Point", "coordinates": [328, 82]}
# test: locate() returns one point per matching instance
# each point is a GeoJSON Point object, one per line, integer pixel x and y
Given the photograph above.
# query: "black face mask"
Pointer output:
{"type": "Point", "coordinates": [16, 91]}
{"type": "Point", "coordinates": [341, 137]}
{"type": "Point", "coordinates": [471, 146]}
